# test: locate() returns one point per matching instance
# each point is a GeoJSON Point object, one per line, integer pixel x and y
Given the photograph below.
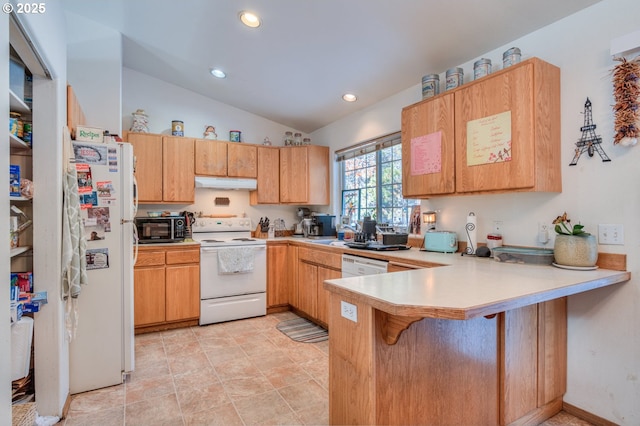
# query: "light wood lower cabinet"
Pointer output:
{"type": "Point", "coordinates": [166, 287]}
{"type": "Point", "coordinates": [278, 275]}
{"type": "Point", "coordinates": [314, 267]}
{"type": "Point", "coordinates": [508, 368]}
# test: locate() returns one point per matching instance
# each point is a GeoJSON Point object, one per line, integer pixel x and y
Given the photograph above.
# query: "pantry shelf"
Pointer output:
{"type": "Point", "coordinates": [19, 250]}
{"type": "Point", "coordinates": [18, 143]}
{"type": "Point", "coordinates": [17, 104]}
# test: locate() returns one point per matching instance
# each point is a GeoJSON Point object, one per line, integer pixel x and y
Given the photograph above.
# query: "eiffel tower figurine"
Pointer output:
{"type": "Point", "coordinates": [589, 142]}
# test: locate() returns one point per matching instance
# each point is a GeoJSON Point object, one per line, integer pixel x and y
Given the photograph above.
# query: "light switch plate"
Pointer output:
{"type": "Point", "coordinates": [349, 311]}
{"type": "Point", "coordinates": [612, 234]}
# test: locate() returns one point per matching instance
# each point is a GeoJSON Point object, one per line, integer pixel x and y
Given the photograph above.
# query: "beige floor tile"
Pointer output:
{"type": "Point", "coordinates": [187, 363]}
{"type": "Point", "coordinates": [175, 348]}
{"type": "Point", "coordinates": [221, 355]}
{"type": "Point", "coordinates": [238, 368]}
{"type": "Point", "coordinates": [303, 395]}
{"type": "Point", "coordinates": [149, 354]}
{"type": "Point", "coordinates": [212, 330]}
{"type": "Point", "coordinates": [109, 417]}
{"type": "Point", "coordinates": [217, 342]}
{"type": "Point", "coordinates": [272, 360]}
{"type": "Point", "coordinates": [163, 410]}
{"type": "Point", "coordinates": [224, 415]}
{"type": "Point", "coordinates": [240, 388]}
{"type": "Point", "coordinates": [178, 335]}
{"type": "Point", "coordinates": [315, 414]}
{"type": "Point", "coordinates": [287, 375]}
{"type": "Point", "coordinates": [98, 400]}
{"type": "Point", "coordinates": [193, 399]}
{"type": "Point", "coordinates": [261, 408]}
{"type": "Point", "coordinates": [156, 368]}
{"type": "Point", "coordinates": [150, 387]}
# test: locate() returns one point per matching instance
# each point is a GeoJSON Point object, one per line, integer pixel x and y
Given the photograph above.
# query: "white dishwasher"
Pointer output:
{"type": "Point", "coordinates": [356, 266]}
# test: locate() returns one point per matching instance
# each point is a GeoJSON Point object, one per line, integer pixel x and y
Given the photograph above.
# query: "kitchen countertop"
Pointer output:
{"type": "Point", "coordinates": [176, 245]}
{"type": "Point", "coordinates": [461, 287]}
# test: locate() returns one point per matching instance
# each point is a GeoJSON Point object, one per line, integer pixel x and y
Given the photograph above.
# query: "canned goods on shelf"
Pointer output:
{"type": "Point", "coordinates": [13, 123]}
{"type": "Point", "coordinates": [430, 85]}
{"type": "Point", "coordinates": [27, 133]}
{"type": "Point", "coordinates": [177, 128]}
{"type": "Point", "coordinates": [454, 78]}
{"type": "Point", "coordinates": [511, 57]}
{"type": "Point", "coordinates": [481, 68]}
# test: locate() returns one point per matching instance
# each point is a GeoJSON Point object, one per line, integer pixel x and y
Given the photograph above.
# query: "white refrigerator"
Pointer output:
{"type": "Point", "coordinates": [102, 351]}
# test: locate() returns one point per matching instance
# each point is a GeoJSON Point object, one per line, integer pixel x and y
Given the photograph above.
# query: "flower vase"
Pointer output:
{"type": "Point", "coordinates": [576, 250]}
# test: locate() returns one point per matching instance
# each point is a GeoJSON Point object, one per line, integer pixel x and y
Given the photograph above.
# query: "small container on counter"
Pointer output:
{"type": "Point", "coordinates": [454, 78]}
{"type": "Point", "coordinates": [481, 68]}
{"type": "Point", "coordinates": [297, 139]}
{"type": "Point", "coordinates": [177, 128]}
{"type": "Point", "coordinates": [511, 57]}
{"type": "Point", "coordinates": [235, 135]}
{"type": "Point", "coordinates": [430, 85]}
{"type": "Point", "coordinates": [494, 240]}
{"type": "Point", "coordinates": [306, 141]}
{"type": "Point", "coordinates": [288, 138]}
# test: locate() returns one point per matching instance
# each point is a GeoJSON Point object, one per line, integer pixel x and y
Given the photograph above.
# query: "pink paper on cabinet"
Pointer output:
{"type": "Point", "coordinates": [426, 154]}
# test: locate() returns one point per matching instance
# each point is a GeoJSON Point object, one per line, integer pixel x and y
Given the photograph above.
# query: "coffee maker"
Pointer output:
{"type": "Point", "coordinates": [323, 225]}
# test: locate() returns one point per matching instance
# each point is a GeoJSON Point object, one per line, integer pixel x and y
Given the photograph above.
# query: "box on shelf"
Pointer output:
{"type": "Point", "coordinates": [25, 281]}
{"type": "Point", "coordinates": [14, 180]}
{"type": "Point", "coordinates": [89, 134]}
{"type": "Point", "coordinates": [16, 77]}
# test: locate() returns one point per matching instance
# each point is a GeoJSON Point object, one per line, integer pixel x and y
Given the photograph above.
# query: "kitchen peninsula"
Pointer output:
{"type": "Point", "coordinates": [476, 342]}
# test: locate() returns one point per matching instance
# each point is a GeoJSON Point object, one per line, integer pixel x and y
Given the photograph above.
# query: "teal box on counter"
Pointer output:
{"type": "Point", "coordinates": [14, 180]}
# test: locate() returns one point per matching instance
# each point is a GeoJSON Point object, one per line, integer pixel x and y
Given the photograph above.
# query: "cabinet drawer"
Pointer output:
{"type": "Point", "coordinates": [183, 256]}
{"type": "Point", "coordinates": [150, 258]}
{"type": "Point", "coordinates": [320, 257]}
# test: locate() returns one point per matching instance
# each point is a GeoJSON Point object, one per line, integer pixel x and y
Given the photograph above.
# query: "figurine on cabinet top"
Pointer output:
{"type": "Point", "coordinates": [210, 132]}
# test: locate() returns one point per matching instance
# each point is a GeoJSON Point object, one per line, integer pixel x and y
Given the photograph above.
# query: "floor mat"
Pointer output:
{"type": "Point", "coordinates": [302, 330]}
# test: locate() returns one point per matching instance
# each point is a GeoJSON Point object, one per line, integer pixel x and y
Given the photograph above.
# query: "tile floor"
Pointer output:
{"type": "Point", "coordinates": [236, 373]}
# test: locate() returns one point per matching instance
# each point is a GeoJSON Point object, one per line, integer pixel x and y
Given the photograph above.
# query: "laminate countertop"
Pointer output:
{"type": "Point", "coordinates": [466, 287]}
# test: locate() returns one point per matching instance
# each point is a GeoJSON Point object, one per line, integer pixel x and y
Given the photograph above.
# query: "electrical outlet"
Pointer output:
{"type": "Point", "coordinates": [610, 234]}
{"type": "Point", "coordinates": [543, 233]}
{"type": "Point", "coordinates": [349, 311]}
{"type": "Point", "coordinates": [497, 227]}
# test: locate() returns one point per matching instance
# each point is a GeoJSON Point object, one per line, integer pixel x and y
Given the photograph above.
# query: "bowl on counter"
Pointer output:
{"type": "Point", "coordinates": [162, 214]}
{"type": "Point", "coordinates": [154, 214]}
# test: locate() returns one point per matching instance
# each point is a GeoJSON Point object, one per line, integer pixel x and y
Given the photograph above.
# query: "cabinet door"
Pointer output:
{"type": "Point", "coordinates": [210, 158]}
{"type": "Point", "coordinates": [149, 295]}
{"type": "Point", "coordinates": [178, 180]}
{"type": "Point", "coordinates": [292, 254]}
{"type": "Point", "coordinates": [183, 292]}
{"type": "Point", "coordinates": [147, 149]}
{"type": "Point", "coordinates": [480, 165]}
{"type": "Point", "coordinates": [308, 288]}
{"type": "Point", "coordinates": [277, 275]}
{"type": "Point", "coordinates": [323, 295]}
{"type": "Point", "coordinates": [242, 160]}
{"type": "Point", "coordinates": [268, 191]}
{"type": "Point", "coordinates": [428, 133]}
{"type": "Point", "coordinates": [304, 175]}
{"type": "Point", "coordinates": [294, 171]}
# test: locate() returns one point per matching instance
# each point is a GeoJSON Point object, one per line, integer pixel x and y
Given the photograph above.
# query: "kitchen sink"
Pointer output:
{"type": "Point", "coordinates": [332, 242]}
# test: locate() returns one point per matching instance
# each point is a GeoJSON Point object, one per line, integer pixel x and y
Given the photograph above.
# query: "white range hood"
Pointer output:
{"type": "Point", "coordinates": [226, 183]}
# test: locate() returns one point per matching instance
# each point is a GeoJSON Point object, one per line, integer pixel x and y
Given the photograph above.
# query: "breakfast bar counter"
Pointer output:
{"type": "Point", "coordinates": [474, 342]}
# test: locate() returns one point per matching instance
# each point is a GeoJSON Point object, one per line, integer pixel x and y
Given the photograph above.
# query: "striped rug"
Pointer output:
{"type": "Point", "coordinates": [302, 330]}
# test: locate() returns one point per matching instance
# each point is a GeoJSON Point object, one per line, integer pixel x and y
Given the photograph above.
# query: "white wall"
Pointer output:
{"type": "Point", "coordinates": [94, 63]}
{"type": "Point", "coordinates": [164, 102]}
{"type": "Point", "coordinates": [604, 336]}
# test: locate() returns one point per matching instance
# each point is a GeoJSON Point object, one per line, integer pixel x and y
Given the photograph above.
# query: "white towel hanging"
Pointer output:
{"type": "Point", "coordinates": [235, 260]}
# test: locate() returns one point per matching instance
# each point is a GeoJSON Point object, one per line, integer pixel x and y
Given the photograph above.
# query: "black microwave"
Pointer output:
{"type": "Point", "coordinates": [170, 229]}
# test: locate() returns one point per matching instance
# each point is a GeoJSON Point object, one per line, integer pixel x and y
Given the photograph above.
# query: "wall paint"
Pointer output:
{"type": "Point", "coordinates": [604, 337]}
{"type": "Point", "coordinates": [164, 102]}
{"type": "Point", "coordinates": [94, 62]}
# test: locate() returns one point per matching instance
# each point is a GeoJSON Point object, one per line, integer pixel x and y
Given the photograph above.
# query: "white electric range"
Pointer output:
{"type": "Point", "coordinates": [233, 270]}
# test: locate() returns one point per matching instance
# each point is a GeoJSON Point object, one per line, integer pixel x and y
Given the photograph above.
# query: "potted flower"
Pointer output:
{"type": "Point", "coordinates": [574, 246]}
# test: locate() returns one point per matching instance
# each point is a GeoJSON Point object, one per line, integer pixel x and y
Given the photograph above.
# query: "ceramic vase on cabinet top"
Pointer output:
{"type": "Point", "coordinates": [576, 250]}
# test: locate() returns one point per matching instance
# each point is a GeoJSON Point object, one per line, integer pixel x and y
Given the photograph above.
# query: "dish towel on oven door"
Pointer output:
{"type": "Point", "coordinates": [235, 260]}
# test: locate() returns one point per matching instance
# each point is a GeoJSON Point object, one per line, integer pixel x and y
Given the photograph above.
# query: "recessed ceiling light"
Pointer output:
{"type": "Point", "coordinates": [349, 97]}
{"type": "Point", "coordinates": [250, 19]}
{"type": "Point", "coordinates": [218, 73]}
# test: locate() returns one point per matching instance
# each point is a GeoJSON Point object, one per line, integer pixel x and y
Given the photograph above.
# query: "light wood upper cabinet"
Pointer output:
{"type": "Point", "coordinates": [164, 168]}
{"type": "Point", "coordinates": [526, 97]}
{"type": "Point", "coordinates": [147, 149]}
{"type": "Point", "coordinates": [429, 118]}
{"type": "Point", "coordinates": [225, 159]}
{"type": "Point", "coordinates": [210, 158]}
{"type": "Point", "coordinates": [242, 160]}
{"type": "Point", "coordinates": [178, 177]}
{"type": "Point", "coordinates": [304, 175]}
{"type": "Point", "coordinates": [268, 190]}
{"type": "Point", "coordinates": [530, 91]}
